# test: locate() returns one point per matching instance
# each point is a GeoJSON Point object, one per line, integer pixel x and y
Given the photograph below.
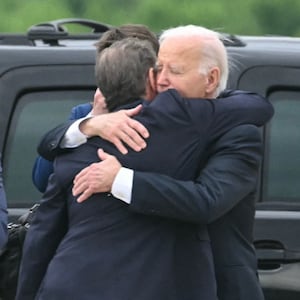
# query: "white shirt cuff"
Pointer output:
{"type": "Point", "coordinates": [122, 185]}
{"type": "Point", "coordinates": [73, 136]}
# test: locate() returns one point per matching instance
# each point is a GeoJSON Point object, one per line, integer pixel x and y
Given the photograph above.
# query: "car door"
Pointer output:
{"type": "Point", "coordinates": [277, 224]}
{"type": "Point", "coordinates": [37, 98]}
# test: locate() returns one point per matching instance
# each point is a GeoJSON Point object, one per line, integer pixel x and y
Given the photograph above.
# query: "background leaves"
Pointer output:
{"type": "Point", "coordinates": [249, 17]}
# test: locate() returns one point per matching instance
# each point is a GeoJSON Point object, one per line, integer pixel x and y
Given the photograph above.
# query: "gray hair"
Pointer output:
{"type": "Point", "coordinates": [122, 71]}
{"type": "Point", "coordinates": [213, 50]}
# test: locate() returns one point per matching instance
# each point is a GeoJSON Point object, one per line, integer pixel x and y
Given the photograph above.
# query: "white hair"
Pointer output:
{"type": "Point", "coordinates": [213, 50]}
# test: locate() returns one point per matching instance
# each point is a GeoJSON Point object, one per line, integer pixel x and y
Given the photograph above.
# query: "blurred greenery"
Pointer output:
{"type": "Point", "coordinates": [249, 17]}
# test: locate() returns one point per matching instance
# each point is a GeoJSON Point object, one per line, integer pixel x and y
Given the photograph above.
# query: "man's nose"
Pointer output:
{"type": "Point", "coordinates": [162, 79]}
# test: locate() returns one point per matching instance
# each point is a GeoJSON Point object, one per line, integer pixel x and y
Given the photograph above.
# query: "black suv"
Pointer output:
{"type": "Point", "coordinates": [47, 71]}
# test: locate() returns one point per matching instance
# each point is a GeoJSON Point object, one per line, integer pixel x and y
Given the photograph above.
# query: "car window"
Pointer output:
{"type": "Point", "coordinates": [283, 159]}
{"type": "Point", "coordinates": [34, 115]}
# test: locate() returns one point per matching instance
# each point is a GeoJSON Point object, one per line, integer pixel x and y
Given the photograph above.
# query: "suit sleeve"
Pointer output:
{"type": "Point", "coordinates": [240, 107]}
{"type": "Point", "coordinates": [47, 229]}
{"type": "Point", "coordinates": [3, 212]}
{"type": "Point", "coordinates": [215, 117]}
{"type": "Point", "coordinates": [229, 175]}
{"type": "Point", "coordinates": [48, 147]}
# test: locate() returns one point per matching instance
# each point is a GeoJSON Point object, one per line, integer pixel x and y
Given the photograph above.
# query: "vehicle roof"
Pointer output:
{"type": "Point", "coordinates": [51, 43]}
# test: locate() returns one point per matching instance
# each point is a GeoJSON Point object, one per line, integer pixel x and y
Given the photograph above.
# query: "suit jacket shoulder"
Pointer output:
{"type": "Point", "coordinates": [231, 169]}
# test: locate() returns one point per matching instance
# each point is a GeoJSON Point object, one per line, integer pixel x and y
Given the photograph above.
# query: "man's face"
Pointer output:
{"type": "Point", "coordinates": [178, 66]}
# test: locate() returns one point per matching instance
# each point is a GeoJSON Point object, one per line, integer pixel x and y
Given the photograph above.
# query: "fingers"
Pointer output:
{"type": "Point", "coordinates": [83, 185]}
{"type": "Point", "coordinates": [133, 124]}
{"type": "Point", "coordinates": [131, 138]}
{"type": "Point", "coordinates": [97, 177]}
{"type": "Point", "coordinates": [131, 134]}
{"type": "Point", "coordinates": [119, 145]}
{"type": "Point", "coordinates": [102, 154]}
{"type": "Point", "coordinates": [79, 182]}
{"type": "Point", "coordinates": [85, 195]}
{"type": "Point", "coordinates": [138, 128]}
{"type": "Point", "coordinates": [134, 111]}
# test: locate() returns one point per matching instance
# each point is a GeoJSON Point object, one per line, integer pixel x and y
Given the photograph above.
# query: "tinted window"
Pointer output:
{"type": "Point", "coordinates": [283, 158]}
{"type": "Point", "coordinates": [35, 114]}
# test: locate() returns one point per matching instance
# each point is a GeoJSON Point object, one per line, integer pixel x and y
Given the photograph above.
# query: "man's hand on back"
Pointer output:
{"type": "Point", "coordinates": [96, 178]}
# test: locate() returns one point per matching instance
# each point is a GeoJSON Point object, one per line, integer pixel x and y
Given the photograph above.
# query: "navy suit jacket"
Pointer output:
{"type": "Point", "coordinates": [124, 255]}
{"type": "Point", "coordinates": [222, 196]}
{"type": "Point", "coordinates": [3, 212]}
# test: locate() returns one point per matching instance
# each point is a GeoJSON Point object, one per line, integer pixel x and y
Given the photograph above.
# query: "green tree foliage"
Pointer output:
{"type": "Point", "coordinates": [250, 17]}
{"type": "Point", "coordinates": [278, 17]}
{"type": "Point", "coordinates": [19, 15]}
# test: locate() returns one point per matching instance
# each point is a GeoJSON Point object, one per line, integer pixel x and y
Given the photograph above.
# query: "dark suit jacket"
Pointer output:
{"type": "Point", "coordinates": [222, 196]}
{"type": "Point", "coordinates": [124, 255]}
{"type": "Point", "coordinates": [3, 212]}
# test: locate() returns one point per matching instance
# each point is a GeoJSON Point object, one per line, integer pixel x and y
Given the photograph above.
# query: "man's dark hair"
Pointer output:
{"type": "Point", "coordinates": [138, 31]}
{"type": "Point", "coordinates": [122, 71]}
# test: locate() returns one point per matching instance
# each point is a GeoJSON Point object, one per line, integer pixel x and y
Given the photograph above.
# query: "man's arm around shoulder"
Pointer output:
{"type": "Point", "coordinates": [229, 175]}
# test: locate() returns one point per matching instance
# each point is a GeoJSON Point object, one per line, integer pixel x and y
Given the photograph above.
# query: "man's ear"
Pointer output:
{"type": "Point", "coordinates": [213, 80]}
{"type": "Point", "coordinates": [151, 84]}
{"type": "Point", "coordinates": [152, 79]}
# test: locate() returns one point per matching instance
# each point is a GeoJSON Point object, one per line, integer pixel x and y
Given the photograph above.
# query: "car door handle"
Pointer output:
{"type": "Point", "coordinates": [270, 254]}
{"type": "Point", "coordinates": [269, 250]}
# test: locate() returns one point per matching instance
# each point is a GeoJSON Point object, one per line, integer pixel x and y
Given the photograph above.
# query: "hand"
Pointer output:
{"type": "Point", "coordinates": [99, 104]}
{"type": "Point", "coordinates": [96, 178]}
{"type": "Point", "coordinates": [118, 128]}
